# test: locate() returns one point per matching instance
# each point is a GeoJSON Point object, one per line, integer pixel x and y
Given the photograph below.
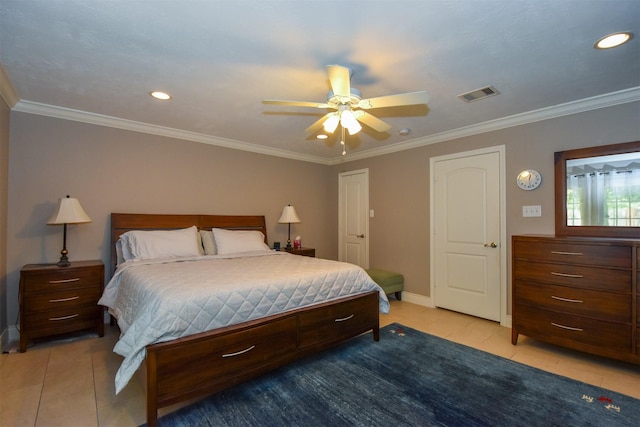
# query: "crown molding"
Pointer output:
{"type": "Point", "coordinates": [7, 91]}
{"type": "Point", "coordinates": [588, 104]}
{"type": "Point", "coordinates": [131, 125]}
{"type": "Point", "coordinates": [574, 107]}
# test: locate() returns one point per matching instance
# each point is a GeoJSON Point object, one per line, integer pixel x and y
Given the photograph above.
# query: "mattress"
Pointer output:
{"type": "Point", "coordinates": [161, 300]}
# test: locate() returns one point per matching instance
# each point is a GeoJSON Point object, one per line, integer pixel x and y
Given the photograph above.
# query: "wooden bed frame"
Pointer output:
{"type": "Point", "coordinates": [208, 362]}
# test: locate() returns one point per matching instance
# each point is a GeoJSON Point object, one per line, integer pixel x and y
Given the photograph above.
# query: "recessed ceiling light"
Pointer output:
{"type": "Point", "coordinates": [613, 40]}
{"type": "Point", "coordinates": [322, 136]}
{"type": "Point", "coordinates": [160, 95]}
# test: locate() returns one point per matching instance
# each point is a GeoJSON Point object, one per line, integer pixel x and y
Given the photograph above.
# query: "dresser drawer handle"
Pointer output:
{"type": "Point", "coordinates": [567, 327]}
{"type": "Point", "coordinates": [566, 299]}
{"type": "Point", "coordinates": [64, 317]}
{"type": "Point", "coordinates": [238, 353]}
{"type": "Point", "coordinates": [344, 318]}
{"type": "Point", "coordinates": [575, 276]}
{"type": "Point", "coordinates": [64, 299]}
{"type": "Point", "coordinates": [566, 253]}
{"type": "Point", "coordinates": [75, 279]}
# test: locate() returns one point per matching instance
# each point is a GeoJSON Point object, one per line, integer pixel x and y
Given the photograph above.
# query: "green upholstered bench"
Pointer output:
{"type": "Point", "coordinates": [389, 281]}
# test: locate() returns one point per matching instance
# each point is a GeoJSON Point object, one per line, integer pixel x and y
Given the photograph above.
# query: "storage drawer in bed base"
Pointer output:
{"type": "Point", "coordinates": [209, 362]}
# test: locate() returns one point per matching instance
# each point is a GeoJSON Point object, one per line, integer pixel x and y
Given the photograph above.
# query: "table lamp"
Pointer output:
{"type": "Point", "coordinates": [289, 216]}
{"type": "Point", "coordinates": [69, 211]}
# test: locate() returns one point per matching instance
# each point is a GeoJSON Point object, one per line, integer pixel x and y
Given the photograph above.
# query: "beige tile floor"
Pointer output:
{"type": "Point", "coordinates": [69, 382]}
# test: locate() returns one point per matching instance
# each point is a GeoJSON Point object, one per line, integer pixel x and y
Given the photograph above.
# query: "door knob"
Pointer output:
{"type": "Point", "coordinates": [360, 236]}
{"type": "Point", "coordinates": [490, 245]}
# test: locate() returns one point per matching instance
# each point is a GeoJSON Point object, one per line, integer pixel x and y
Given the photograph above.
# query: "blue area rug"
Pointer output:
{"type": "Point", "coordinates": [409, 378]}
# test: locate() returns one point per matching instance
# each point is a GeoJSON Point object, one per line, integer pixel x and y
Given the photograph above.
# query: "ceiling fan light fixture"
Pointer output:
{"type": "Point", "coordinates": [348, 121]}
{"type": "Point", "coordinates": [331, 123]}
{"type": "Point", "coordinates": [613, 40]}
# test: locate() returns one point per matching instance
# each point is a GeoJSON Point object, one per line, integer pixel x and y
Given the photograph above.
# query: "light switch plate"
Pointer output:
{"type": "Point", "coordinates": [529, 211]}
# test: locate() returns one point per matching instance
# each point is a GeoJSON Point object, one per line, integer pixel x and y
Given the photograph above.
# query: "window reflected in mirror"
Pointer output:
{"type": "Point", "coordinates": [604, 191]}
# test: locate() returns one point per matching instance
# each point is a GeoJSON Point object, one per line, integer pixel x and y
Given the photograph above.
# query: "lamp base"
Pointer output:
{"type": "Point", "coordinates": [64, 260]}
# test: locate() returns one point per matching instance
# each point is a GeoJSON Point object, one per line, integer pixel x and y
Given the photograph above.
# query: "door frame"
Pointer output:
{"type": "Point", "coordinates": [500, 149]}
{"type": "Point", "coordinates": [341, 219]}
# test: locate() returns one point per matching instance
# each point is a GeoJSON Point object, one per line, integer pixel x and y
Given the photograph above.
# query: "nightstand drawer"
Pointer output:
{"type": "Point", "coordinates": [62, 299]}
{"type": "Point", "coordinates": [61, 279]}
{"type": "Point", "coordinates": [60, 321]}
{"type": "Point", "coordinates": [56, 300]}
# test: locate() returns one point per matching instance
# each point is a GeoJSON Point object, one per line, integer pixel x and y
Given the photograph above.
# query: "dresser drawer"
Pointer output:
{"type": "Point", "coordinates": [61, 279]}
{"type": "Point", "coordinates": [567, 329]}
{"type": "Point", "coordinates": [334, 322]}
{"type": "Point", "coordinates": [69, 319]}
{"type": "Point", "coordinates": [576, 276]}
{"type": "Point", "coordinates": [65, 299]}
{"type": "Point", "coordinates": [596, 304]}
{"type": "Point", "coordinates": [572, 253]}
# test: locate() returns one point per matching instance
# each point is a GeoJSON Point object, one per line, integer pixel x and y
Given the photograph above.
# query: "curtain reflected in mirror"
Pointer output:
{"type": "Point", "coordinates": [604, 191]}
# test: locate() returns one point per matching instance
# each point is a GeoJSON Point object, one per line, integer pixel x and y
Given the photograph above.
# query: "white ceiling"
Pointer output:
{"type": "Point", "coordinates": [96, 61]}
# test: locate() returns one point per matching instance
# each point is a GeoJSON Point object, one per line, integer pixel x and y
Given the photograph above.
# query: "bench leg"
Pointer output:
{"type": "Point", "coordinates": [399, 295]}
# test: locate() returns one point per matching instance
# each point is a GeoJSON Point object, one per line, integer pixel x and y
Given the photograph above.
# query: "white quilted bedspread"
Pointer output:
{"type": "Point", "coordinates": [160, 300]}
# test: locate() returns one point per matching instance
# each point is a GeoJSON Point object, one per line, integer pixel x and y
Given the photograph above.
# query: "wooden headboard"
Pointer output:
{"type": "Point", "coordinates": [123, 222]}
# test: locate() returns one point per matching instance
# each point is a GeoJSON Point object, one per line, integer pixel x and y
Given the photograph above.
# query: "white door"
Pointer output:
{"type": "Point", "coordinates": [468, 233]}
{"type": "Point", "coordinates": [353, 217]}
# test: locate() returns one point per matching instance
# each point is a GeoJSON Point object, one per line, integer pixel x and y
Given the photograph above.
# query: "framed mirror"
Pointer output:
{"type": "Point", "coordinates": [597, 191]}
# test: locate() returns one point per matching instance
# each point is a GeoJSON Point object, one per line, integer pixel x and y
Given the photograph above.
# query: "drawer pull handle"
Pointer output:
{"type": "Point", "coordinates": [344, 318]}
{"type": "Point", "coordinates": [575, 276]}
{"type": "Point", "coordinates": [64, 317]}
{"type": "Point", "coordinates": [566, 253]}
{"type": "Point", "coordinates": [567, 327]}
{"type": "Point", "coordinates": [63, 299]}
{"type": "Point", "coordinates": [566, 299]}
{"type": "Point", "coordinates": [238, 353]}
{"type": "Point", "coordinates": [75, 279]}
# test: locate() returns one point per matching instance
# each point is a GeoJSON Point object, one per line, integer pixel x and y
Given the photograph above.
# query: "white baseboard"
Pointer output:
{"type": "Point", "coordinates": [428, 302]}
{"type": "Point", "coordinates": [417, 299]}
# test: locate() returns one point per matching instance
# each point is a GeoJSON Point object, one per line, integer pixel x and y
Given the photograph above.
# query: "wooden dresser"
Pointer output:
{"type": "Point", "coordinates": [56, 300]}
{"type": "Point", "coordinates": [578, 292]}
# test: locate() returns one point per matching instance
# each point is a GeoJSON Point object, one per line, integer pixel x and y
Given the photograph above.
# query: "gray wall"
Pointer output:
{"type": "Point", "coordinates": [399, 183]}
{"type": "Point", "coordinates": [111, 170]}
{"type": "Point", "coordinates": [4, 188]}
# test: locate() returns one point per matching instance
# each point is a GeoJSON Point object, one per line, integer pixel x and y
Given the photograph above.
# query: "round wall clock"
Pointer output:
{"type": "Point", "coordinates": [529, 179]}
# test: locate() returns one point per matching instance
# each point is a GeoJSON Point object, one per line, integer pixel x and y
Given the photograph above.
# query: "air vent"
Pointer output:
{"type": "Point", "coordinates": [478, 94]}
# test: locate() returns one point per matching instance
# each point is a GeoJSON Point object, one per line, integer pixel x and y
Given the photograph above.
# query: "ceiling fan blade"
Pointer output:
{"type": "Point", "coordinates": [340, 78]}
{"type": "Point", "coordinates": [412, 98]}
{"type": "Point", "coordinates": [318, 124]}
{"type": "Point", "coordinates": [297, 103]}
{"type": "Point", "coordinates": [371, 121]}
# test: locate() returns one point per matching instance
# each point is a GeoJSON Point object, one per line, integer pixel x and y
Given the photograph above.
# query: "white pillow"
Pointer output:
{"type": "Point", "coordinates": [208, 242]}
{"type": "Point", "coordinates": [236, 241]}
{"type": "Point", "coordinates": [143, 244]}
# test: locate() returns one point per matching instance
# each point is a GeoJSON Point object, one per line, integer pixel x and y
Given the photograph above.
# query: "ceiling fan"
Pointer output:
{"type": "Point", "coordinates": [350, 107]}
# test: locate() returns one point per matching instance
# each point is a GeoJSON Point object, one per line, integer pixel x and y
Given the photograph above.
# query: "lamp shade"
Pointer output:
{"type": "Point", "coordinates": [331, 123]}
{"type": "Point", "coordinates": [289, 216]}
{"type": "Point", "coordinates": [69, 211]}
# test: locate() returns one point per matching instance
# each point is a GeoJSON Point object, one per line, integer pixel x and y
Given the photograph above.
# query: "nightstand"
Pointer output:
{"type": "Point", "coordinates": [302, 251]}
{"type": "Point", "coordinates": [56, 300]}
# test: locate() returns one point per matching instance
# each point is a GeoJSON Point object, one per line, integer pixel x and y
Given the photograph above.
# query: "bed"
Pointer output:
{"type": "Point", "coordinates": [304, 305]}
